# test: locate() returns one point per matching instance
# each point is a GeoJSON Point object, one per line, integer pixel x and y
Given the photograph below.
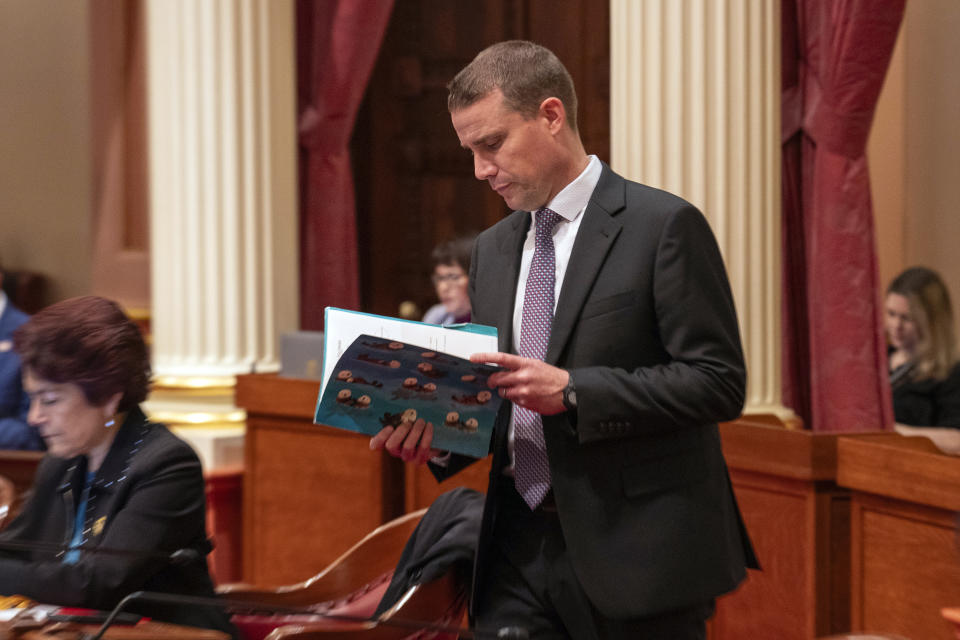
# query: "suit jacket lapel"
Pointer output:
{"type": "Point", "coordinates": [596, 235]}
{"type": "Point", "coordinates": [510, 242]}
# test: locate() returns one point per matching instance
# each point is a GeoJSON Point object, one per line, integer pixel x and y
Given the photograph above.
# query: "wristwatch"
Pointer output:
{"type": "Point", "coordinates": [570, 395]}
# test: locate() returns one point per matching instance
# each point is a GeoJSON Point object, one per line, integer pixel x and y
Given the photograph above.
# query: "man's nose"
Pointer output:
{"type": "Point", "coordinates": [483, 169]}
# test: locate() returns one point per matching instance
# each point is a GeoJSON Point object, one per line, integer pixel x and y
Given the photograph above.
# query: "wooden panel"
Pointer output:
{"type": "Point", "coordinates": [834, 579]}
{"type": "Point", "coordinates": [767, 604]}
{"type": "Point", "coordinates": [310, 491]}
{"type": "Point", "coordinates": [579, 35]}
{"type": "Point", "coordinates": [799, 521]}
{"type": "Point", "coordinates": [758, 446]}
{"type": "Point", "coordinates": [906, 566]}
{"type": "Point", "coordinates": [120, 242]}
{"type": "Point", "coordinates": [268, 394]}
{"type": "Point", "coordinates": [313, 492]}
{"type": "Point", "coordinates": [422, 488]}
{"type": "Point", "coordinates": [790, 523]}
{"type": "Point", "coordinates": [906, 468]}
{"type": "Point", "coordinates": [905, 561]}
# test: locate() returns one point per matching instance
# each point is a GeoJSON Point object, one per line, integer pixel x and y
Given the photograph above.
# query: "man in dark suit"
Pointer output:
{"type": "Point", "coordinates": [609, 512]}
{"type": "Point", "coordinates": [15, 433]}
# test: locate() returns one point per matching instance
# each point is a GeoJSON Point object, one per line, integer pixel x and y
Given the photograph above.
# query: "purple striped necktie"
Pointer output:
{"type": "Point", "coordinates": [531, 469]}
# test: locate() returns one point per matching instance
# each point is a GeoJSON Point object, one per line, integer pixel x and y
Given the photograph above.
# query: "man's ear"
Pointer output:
{"type": "Point", "coordinates": [553, 112]}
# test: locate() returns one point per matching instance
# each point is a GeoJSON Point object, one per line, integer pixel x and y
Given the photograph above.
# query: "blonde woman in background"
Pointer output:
{"type": "Point", "coordinates": [924, 368]}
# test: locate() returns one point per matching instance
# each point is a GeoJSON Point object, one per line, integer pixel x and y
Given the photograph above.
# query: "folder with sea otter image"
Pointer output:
{"type": "Point", "coordinates": [379, 371]}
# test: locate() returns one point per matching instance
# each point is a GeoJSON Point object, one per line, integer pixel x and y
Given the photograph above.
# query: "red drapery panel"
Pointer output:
{"type": "Point", "coordinates": [337, 44]}
{"type": "Point", "coordinates": [835, 56]}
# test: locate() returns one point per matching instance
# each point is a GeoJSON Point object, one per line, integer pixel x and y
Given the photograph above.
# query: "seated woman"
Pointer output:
{"type": "Point", "coordinates": [451, 264]}
{"type": "Point", "coordinates": [924, 370]}
{"type": "Point", "coordinates": [111, 480]}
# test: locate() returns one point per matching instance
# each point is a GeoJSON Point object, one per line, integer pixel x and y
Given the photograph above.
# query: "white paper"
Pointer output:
{"type": "Point", "coordinates": [342, 327]}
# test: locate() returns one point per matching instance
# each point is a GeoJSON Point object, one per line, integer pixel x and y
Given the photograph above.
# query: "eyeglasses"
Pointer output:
{"type": "Point", "coordinates": [452, 278]}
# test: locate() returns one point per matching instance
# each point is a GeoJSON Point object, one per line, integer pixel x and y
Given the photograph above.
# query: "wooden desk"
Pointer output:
{"type": "Point", "coordinates": [905, 559]}
{"type": "Point", "coordinates": [310, 492]}
{"type": "Point", "coordinates": [142, 631]}
{"type": "Point", "coordinates": [798, 520]}
{"type": "Point", "coordinates": [421, 488]}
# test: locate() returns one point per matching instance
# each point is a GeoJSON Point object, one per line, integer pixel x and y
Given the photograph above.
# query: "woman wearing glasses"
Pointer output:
{"type": "Point", "coordinates": [451, 264]}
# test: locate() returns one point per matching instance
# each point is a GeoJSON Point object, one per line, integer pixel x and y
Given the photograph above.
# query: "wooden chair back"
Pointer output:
{"type": "Point", "coordinates": [366, 561]}
{"type": "Point", "coordinates": [8, 495]}
{"type": "Point", "coordinates": [442, 602]}
{"type": "Point", "coordinates": [352, 586]}
{"type": "Point", "coordinates": [19, 467]}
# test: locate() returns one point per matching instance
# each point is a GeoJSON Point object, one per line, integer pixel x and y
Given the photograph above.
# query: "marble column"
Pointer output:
{"type": "Point", "coordinates": [223, 202]}
{"type": "Point", "coordinates": [695, 110]}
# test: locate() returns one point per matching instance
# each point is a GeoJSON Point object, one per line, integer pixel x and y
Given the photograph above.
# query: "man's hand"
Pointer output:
{"type": "Point", "coordinates": [530, 383]}
{"type": "Point", "coordinates": [409, 441]}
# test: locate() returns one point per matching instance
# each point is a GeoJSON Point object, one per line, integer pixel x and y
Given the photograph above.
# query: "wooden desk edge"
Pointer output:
{"type": "Point", "coordinates": [271, 394]}
{"type": "Point", "coordinates": [775, 450]}
{"type": "Point", "coordinates": [904, 468]}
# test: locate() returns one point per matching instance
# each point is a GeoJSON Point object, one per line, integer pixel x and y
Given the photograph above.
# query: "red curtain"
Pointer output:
{"type": "Point", "coordinates": [835, 57]}
{"type": "Point", "coordinates": [337, 44]}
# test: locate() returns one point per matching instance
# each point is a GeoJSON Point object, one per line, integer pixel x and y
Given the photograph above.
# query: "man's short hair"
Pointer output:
{"type": "Point", "coordinates": [525, 72]}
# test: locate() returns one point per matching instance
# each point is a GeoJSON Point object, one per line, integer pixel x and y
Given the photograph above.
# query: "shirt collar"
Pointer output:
{"type": "Point", "coordinates": [574, 197]}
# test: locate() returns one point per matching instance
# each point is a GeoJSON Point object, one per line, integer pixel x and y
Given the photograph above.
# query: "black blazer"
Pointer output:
{"type": "Point", "coordinates": [929, 403]}
{"type": "Point", "coordinates": [646, 325]}
{"type": "Point", "coordinates": [148, 495]}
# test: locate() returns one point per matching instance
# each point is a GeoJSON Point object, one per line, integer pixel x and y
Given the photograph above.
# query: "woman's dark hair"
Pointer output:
{"type": "Point", "coordinates": [454, 252]}
{"type": "Point", "coordinates": [89, 342]}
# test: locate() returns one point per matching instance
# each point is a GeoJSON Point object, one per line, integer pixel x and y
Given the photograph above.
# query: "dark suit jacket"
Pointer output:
{"type": "Point", "coordinates": [646, 325]}
{"type": "Point", "coordinates": [15, 433]}
{"type": "Point", "coordinates": [148, 495]}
